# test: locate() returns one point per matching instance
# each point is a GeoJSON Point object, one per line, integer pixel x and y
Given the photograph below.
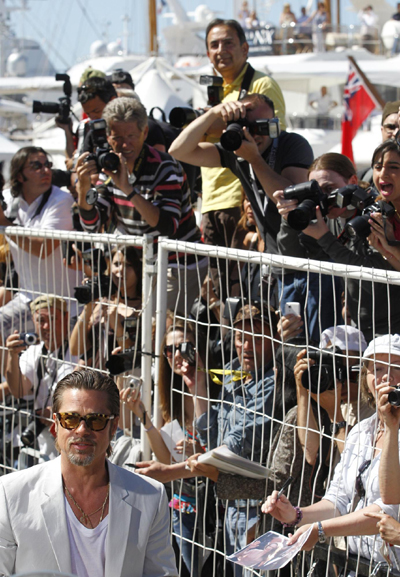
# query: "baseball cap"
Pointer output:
{"type": "Point", "coordinates": [386, 344]}
{"type": "Point", "coordinates": [46, 301]}
{"type": "Point", "coordinates": [346, 337]}
{"type": "Point", "coordinates": [390, 108]}
{"type": "Point", "coordinates": [253, 313]}
{"type": "Point", "coordinates": [89, 73]}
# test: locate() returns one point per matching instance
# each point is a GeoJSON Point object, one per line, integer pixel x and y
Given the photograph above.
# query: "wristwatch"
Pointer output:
{"type": "Point", "coordinates": [123, 337]}
{"type": "Point", "coordinates": [322, 538]}
{"type": "Point", "coordinates": [335, 427]}
{"type": "Point", "coordinates": [91, 196]}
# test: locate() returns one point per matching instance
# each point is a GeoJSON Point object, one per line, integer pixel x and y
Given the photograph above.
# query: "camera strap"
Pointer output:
{"type": "Point", "coordinates": [248, 77]}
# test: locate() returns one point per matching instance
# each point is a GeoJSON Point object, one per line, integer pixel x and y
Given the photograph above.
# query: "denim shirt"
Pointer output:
{"type": "Point", "coordinates": [241, 418]}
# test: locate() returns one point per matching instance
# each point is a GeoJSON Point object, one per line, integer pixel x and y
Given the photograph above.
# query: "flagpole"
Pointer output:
{"type": "Point", "coordinates": [367, 83]}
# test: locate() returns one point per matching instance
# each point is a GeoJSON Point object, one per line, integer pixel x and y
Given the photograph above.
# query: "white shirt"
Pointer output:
{"type": "Point", "coordinates": [87, 546]}
{"type": "Point", "coordinates": [47, 275]}
{"type": "Point", "coordinates": [341, 492]}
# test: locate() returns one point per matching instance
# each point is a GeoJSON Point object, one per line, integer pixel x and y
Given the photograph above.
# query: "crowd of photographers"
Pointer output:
{"type": "Point", "coordinates": [329, 403]}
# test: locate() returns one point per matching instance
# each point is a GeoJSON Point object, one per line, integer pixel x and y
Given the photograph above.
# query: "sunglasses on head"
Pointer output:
{"type": "Point", "coordinates": [37, 165]}
{"type": "Point", "coordinates": [169, 350]}
{"type": "Point", "coordinates": [94, 421]}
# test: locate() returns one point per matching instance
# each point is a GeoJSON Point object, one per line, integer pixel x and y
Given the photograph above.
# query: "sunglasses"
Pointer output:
{"type": "Point", "coordinates": [36, 165]}
{"type": "Point", "coordinates": [359, 484]}
{"type": "Point", "coordinates": [94, 421]}
{"type": "Point", "coordinates": [169, 350]}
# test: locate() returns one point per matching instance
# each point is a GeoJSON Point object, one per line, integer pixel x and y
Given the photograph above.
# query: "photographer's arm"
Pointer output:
{"type": "Point", "coordinates": [307, 426]}
{"type": "Point", "coordinates": [188, 146]}
{"type": "Point", "coordinates": [18, 383]}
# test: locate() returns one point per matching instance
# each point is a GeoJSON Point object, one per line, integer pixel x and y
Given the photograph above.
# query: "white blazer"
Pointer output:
{"type": "Point", "coordinates": [34, 534]}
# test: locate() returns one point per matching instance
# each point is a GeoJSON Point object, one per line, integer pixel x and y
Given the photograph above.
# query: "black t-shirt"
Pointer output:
{"type": "Point", "coordinates": [292, 150]}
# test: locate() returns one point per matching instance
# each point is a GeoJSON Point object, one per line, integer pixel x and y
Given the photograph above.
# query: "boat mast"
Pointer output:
{"type": "Point", "coordinates": [153, 44]}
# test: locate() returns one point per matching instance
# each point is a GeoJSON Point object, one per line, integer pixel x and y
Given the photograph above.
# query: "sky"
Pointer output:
{"type": "Point", "coordinates": [66, 28]}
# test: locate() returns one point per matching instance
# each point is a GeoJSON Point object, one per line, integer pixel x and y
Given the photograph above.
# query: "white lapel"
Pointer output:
{"type": "Point", "coordinates": [53, 511]}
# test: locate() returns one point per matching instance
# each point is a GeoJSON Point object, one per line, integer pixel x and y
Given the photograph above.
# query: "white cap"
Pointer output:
{"type": "Point", "coordinates": [346, 337]}
{"type": "Point", "coordinates": [387, 344]}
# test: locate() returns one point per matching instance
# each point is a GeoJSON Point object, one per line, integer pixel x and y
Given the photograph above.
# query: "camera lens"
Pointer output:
{"type": "Point", "coordinates": [232, 138]}
{"type": "Point", "coordinates": [394, 397]}
{"type": "Point", "coordinates": [109, 161]}
{"type": "Point", "coordinates": [31, 432]}
{"type": "Point", "coordinates": [358, 226]}
{"type": "Point", "coordinates": [318, 379]}
{"type": "Point", "coordinates": [300, 217]}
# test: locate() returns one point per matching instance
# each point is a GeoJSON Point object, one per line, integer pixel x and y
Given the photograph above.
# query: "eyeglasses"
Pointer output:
{"type": "Point", "coordinates": [169, 349]}
{"type": "Point", "coordinates": [359, 484]}
{"type": "Point", "coordinates": [94, 421]}
{"type": "Point", "coordinates": [36, 165]}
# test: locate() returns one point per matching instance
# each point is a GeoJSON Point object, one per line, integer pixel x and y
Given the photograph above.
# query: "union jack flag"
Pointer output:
{"type": "Point", "coordinates": [358, 104]}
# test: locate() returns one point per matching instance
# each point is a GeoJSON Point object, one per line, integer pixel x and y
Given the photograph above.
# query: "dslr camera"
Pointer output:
{"type": "Point", "coordinates": [63, 107]}
{"type": "Point", "coordinates": [99, 284]}
{"type": "Point", "coordinates": [122, 362]}
{"type": "Point", "coordinates": [102, 154]}
{"type": "Point", "coordinates": [309, 195]}
{"type": "Point", "coordinates": [359, 226]}
{"type": "Point", "coordinates": [233, 136]}
{"type": "Point", "coordinates": [328, 368]}
{"type": "Point", "coordinates": [181, 116]}
{"type": "Point", "coordinates": [32, 432]}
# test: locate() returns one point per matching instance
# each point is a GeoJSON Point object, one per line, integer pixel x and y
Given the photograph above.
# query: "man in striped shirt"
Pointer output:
{"type": "Point", "coordinates": [147, 194]}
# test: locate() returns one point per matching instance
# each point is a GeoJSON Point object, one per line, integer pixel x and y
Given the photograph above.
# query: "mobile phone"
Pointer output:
{"type": "Point", "coordinates": [188, 352]}
{"type": "Point", "coordinates": [135, 384]}
{"type": "Point", "coordinates": [292, 309]}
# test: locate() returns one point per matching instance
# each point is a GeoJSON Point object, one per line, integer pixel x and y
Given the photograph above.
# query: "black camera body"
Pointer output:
{"type": "Point", "coordinates": [215, 92]}
{"type": "Point", "coordinates": [32, 431]}
{"type": "Point", "coordinates": [102, 155]}
{"type": "Point", "coordinates": [181, 116]}
{"type": "Point", "coordinates": [354, 196]}
{"type": "Point", "coordinates": [321, 376]}
{"type": "Point", "coordinates": [309, 195]}
{"type": "Point", "coordinates": [63, 107]}
{"type": "Point", "coordinates": [188, 352]}
{"type": "Point", "coordinates": [96, 287]}
{"type": "Point", "coordinates": [233, 136]}
{"type": "Point", "coordinates": [394, 397]}
{"type": "Point", "coordinates": [29, 338]}
{"type": "Point", "coordinates": [359, 226]}
{"type": "Point", "coordinates": [122, 362]}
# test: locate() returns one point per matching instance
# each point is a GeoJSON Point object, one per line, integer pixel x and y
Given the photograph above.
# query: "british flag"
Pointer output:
{"type": "Point", "coordinates": [358, 104]}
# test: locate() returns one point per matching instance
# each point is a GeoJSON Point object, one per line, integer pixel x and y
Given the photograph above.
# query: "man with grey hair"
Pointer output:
{"type": "Point", "coordinates": [147, 194]}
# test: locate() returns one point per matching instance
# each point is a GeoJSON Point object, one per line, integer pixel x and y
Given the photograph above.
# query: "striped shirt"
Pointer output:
{"type": "Point", "coordinates": [160, 180]}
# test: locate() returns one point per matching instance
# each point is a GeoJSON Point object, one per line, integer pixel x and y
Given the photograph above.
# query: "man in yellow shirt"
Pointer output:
{"type": "Point", "coordinates": [228, 50]}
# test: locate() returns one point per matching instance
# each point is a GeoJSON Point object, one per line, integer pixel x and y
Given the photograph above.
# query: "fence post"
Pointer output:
{"type": "Point", "coordinates": [147, 300]}
{"type": "Point", "coordinates": [161, 315]}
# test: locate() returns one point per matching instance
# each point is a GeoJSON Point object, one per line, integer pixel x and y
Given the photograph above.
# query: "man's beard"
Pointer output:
{"type": "Point", "coordinates": [81, 460]}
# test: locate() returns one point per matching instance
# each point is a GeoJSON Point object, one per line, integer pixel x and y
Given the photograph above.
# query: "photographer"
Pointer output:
{"type": "Point", "coordinates": [326, 240]}
{"type": "Point", "coordinates": [269, 162]}
{"type": "Point", "coordinates": [354, 489]}
{"type": "Point", "coordinates": [148, 194]}
{"type": "Point", "coordinates": [38, 369]}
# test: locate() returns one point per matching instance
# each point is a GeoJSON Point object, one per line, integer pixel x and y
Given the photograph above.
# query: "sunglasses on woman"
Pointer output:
{"type": "Point", "coordinates": [94, 421]}
{"type": "Point", "coordinates": [169, 349]}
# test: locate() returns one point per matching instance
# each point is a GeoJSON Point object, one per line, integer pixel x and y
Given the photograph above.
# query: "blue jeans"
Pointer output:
{"type": "Point", "coordinates": [185, 525]}
{"type": "Point", "coordinates": [236, 526]}
{"type": "Point", "coordinates": [320, 297]}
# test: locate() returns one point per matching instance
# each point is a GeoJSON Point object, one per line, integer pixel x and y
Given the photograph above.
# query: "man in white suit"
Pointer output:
{"type": "Point", "coordinates": [80, 514]}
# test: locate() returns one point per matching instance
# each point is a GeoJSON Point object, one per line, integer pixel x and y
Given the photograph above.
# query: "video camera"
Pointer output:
{"type": "Point", "coordinates": [181, 116]}
{"type": "Point", "coordinates": [63, 107]}
{"type": "Point", "coordinates": [233, 136]}
{"type": "Point", "coordinates": [102, 155]}
{"type": "Point", "coordinates": [309, 195]}
{"type": "Point", "coordinates": [321, 376]}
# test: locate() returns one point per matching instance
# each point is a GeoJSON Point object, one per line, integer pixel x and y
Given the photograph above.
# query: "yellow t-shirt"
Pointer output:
{"type": "Point", "coordinates": [221, 189]}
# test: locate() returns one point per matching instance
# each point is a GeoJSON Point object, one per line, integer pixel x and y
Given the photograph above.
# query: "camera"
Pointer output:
{"type": "Point", "coordinates": [394, 397]}
{"type": "Point", "coordinates": [233, 136]}
{"type": "Point", "coordinates": [181, 116]}
{"type": "Point", "coordinates": [94, 257]}
{"type": "Point", "coordinates": [96, 287]}
{"type": "Point", "coordinates": [63, 107]}
{"type": "Point", "coordinates": [215, 92]}
{"type": "Point", "coordinates": [188, 352]}
{"type": "Point", "coordinates": [354, 196]}
{"type": "Point", "coordinates": [134, 383]}
{"type": "Point", "coordinates": [309, 195]}
{"type": "Point", "coordinates": [31, 432]}
{"type": "Point", "coordinates": [122, 362]}
{"type": "Point", "coordinates": [321, 376]}
{"type": "Point", "coordinates": [102, 155]}
{"type": "Point", "coordinates": [359, 226]}
{"type": "Point", "coordinates": [29, 338]}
